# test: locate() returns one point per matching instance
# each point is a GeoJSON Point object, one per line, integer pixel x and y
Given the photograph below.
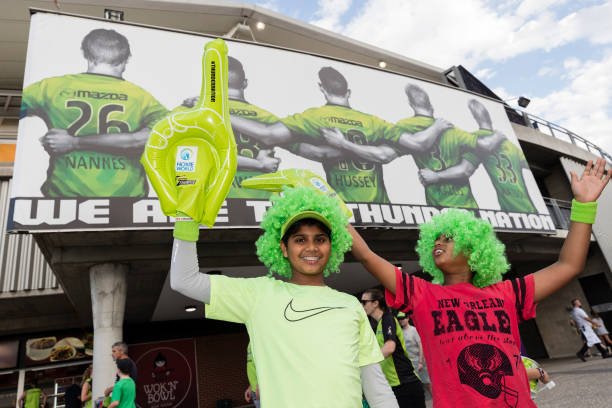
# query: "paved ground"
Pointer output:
{"type": "Point", "coordinates": [579, 385]}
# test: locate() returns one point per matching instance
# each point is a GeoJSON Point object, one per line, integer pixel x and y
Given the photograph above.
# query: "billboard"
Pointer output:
{"type": "Point", "coordinates": [397, 149]}
{"type": "Point", "coordinates": [167, 374]}
{"type": "Point", "coordinates": [71, 347]}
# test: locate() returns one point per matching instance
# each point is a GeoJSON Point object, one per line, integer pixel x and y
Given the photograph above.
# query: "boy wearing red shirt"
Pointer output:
{"type": "Point", "coordinates": [468, 318]}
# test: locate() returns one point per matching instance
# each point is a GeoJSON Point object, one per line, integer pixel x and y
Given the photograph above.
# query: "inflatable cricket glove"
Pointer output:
{"type": "Point", "coordinates": [294, 178]}
{"type": "Point", "coordinates": [190, 157]}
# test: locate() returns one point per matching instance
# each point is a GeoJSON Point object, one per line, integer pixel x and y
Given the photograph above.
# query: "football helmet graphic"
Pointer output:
{"type": "Point", "coordinates": [483, 367]}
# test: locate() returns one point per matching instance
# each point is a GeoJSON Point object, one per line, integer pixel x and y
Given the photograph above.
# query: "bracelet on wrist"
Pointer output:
{"type": "Point", "coordinates": [542, 373]}
{"type": "Point", "coordinates": [583, 212]}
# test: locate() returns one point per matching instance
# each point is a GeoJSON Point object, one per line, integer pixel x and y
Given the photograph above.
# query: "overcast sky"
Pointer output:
{"type": "Point", "coordinates": [558, 53]}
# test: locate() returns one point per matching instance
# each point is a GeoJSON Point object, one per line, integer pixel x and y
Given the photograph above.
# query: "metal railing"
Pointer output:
{"type": "Point", "coordinates": [559, 211]}
{"type": "Point", "coordinates": [557, 131]}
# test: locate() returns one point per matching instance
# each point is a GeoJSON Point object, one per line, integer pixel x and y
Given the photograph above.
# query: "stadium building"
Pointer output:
{"type": "Point", "coordinates": [83, 268]}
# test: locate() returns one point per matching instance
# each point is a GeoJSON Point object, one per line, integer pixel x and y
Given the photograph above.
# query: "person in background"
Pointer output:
{"type": "Point", "coordinates": [252, 391]}
{"type": "Point", "coordinates": [119, 351]}
{"type": "Point", "coordinates": [414, 348]}
{"type": "Point", "coordinates": [396, 366]}
{"type": "Point", "coordinates": [33, 397]}
{"type": "Point", "coordinates": [86, 387]}
{"type": "Point", "coordinates": [585, 324]}
{"type": "Point", "coordinates": [124, 391]}
{"type": "Point", "coordinates": [600, 329]}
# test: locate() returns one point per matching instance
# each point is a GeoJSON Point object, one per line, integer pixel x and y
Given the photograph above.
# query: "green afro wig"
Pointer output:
{"type": "Point", "coordinates": [295, 200]}
{"type": "Point", "coordinates": [473, 237]}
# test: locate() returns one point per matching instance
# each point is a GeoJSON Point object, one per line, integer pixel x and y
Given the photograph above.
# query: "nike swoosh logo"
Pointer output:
{"type": "Point", "coordinates": [293, 315]}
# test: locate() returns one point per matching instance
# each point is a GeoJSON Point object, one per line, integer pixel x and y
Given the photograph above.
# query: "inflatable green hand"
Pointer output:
{"type": "Point", "coordinates": [190, 156]}
{"type": "Point", "coordinates": [294, 178]}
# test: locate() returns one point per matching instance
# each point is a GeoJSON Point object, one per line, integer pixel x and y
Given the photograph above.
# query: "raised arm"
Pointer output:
{"type": "Point", "coordinates": [587, 188]}
{"type": "Point", "coordinates": [375, 154]}
{"type": "Point", "coordinates": [270, 134]}
{"type": "Point", "coordinates": [380, 268]}
{"type": "Point", "coordinates": [185, 275]}
{"type": "Point", "coordinates": [461, 171]}
{"type": "Point", "coordinates": [423, 141]}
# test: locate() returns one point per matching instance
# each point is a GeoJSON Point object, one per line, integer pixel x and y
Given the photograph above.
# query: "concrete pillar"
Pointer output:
{"type": "Point", "coordinates": [20, 387]}
{"type": "Point", "coordinates": [108, 294]}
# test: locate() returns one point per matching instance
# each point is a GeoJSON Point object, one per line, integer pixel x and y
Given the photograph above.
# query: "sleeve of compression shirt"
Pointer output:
{"type": "Point", "coordinates": [185, 275]}
{"type": "Point", "coordinates": [376, 388]}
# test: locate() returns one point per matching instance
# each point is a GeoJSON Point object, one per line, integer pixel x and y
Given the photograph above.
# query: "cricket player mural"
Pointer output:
{"type": "Point", "coordinates": [396, 149]}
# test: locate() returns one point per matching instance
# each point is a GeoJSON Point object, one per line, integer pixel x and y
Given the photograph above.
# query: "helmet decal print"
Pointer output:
{"type": "Point", "coordinates": [483, 367]}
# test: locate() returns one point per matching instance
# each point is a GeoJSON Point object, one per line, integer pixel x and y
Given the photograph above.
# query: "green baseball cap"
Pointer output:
{"type": "Point", "coordinates": [401, 315]}
{"type": "Point", "coordinates": [302, 215]}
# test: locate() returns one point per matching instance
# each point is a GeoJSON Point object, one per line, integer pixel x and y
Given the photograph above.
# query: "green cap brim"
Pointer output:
{"type": "Point", "coordinates": [302, 215]}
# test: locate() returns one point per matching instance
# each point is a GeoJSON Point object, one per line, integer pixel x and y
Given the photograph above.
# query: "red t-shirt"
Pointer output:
{"type": "Point", "coordinates": [470, 339]}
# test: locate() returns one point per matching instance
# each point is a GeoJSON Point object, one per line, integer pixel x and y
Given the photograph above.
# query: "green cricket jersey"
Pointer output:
{"type": "Point", "coordinates": [453, 146]}
{"type": "Point", "coordinates": [355, 180]}
{"type": "Point", "coordinates": [86, 105]}
{"type": "Point", "coordinates": [32, 398]}
{"type": "Point", "coordinates": [124, 391]}
{"type": "Point", "coordinates": [247, 147]}
{"type": "Point", "coordinates": [505, 168]}
{"type": "Point", "coordinates": [397, 367]}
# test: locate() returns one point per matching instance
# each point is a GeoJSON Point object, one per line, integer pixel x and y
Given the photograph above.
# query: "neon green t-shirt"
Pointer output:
{"type": "Point", "coordinates": [505, 168]}
{"type": "Point", "coordinates": [32, 398]}
{"type": "Point", "coordinates": [454, 146]}
{"type": "Point", "coordinates": [250, 368]}
{"type": "Point", "coordinates": [355, 180]}
{"type": "Point", "coordinates": [86, 105]}
{"type": "Point", "coordinates": [309, 342]}
{"type": "Point", "coordinates": [248, 148]}
{"type": "Point", "coordinates": [396, 367]}
{"type": "Point", "coordinates": [124, 391]}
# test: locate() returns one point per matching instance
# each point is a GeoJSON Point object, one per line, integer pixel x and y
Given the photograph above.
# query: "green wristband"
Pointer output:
{"type": "Point", "coordinates": [583, 212]}
{"type": "Point", "coordinates": [186, 229]}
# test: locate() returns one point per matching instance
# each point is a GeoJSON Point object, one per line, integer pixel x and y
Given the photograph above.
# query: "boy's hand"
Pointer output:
{"type": "Point", "coordinates": [590, 184]}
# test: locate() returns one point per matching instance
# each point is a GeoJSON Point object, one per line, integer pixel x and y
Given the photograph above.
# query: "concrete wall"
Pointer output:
{"type": "Point", "coordinates": [561, 339]}
{"type": "Point", "coordinates": [558, 185]}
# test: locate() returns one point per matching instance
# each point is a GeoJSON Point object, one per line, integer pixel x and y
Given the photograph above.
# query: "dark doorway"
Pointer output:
{"type": "Point", "coordinates": [598, 293]}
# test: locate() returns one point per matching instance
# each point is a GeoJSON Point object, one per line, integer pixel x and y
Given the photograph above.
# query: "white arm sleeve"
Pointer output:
{"type": "Point", "coordinates": [185, 275]}
{"type": "Point", "coordinates": [376, 388]}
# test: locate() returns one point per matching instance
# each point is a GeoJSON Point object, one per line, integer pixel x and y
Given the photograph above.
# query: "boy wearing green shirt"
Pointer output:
{"type": "Point", "coordinates": [124, 392]}
{"type": "Point", "coordinates": [313, 345]}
